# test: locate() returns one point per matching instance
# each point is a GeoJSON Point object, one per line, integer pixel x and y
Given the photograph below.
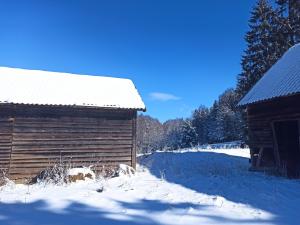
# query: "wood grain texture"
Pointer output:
{"type": "Point", "coordinates": [33, 138]}
{"type": "Point", "coordinates": [260, 118]}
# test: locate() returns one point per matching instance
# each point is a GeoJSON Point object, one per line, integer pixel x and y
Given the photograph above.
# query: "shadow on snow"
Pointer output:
{"type": "Point", "coordinates": [38, 213]}
{"type": "Point", "coordinates": [219, 174]}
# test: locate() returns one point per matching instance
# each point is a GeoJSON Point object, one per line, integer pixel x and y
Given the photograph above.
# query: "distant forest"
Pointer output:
{"type": "Point", "coordinates": [272, 31]}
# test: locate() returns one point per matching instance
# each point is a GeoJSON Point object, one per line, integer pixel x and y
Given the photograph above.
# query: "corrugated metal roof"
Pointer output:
{"type": "Point", "coordinates": [283, 79]}
{"type": "Point", "coordinates": [20, 86]}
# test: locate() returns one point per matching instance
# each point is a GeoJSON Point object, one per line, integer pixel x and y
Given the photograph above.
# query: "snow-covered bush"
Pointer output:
{"type": "Point", "coordinates": [3, 179]}
{"type": "Point", "coordinates": [124, 170]}
{"type": "Point", "coordinates": [56, 174]}
{"type": "Point", "coordinates": [60, 174]}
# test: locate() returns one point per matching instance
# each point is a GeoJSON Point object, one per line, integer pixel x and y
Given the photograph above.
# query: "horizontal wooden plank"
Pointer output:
{"type": "Point", "coordinates": [8, 134]}
{"type": "Point", "coordinates": [5, 147]}
{"type": "Point", "coordinates": [65, 147]}
{"type": "Point", "coordinates": [69, 139]}
{"type": "Point", "coordinates": [66, 130]}
{"type": "Point", "coordinates": [4, 165]}
{"type": "Point", "coordinates": [75, 133]}
{"type": "Point", "coordinates": [71, 143]}
{"type": "Point", "coordinates": [5, 151]}
{"type": "Point", "coordinates": [5, 119]}
{"type": "Point", "coordinates": [66, 151]}
{"type": "Point", "coordinates": [6, 130]}
{"type": "Point", "coordinates": [20, 157]}
{"type": "Point", "coordinates": [66, 126]}
{"type": "Point", "coordinates": [62, 123]}
{"type": "Point", "coordinates": [5, 142]}
{"type": "Point", "coordinates": [44, 164]}
{"type": "Point", "coordinates": [83, 119]}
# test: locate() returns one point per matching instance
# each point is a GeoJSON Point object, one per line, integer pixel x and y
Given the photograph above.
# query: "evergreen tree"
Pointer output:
{"type": "Point", "coordinates": [272, 33]}
{"type": "Point", "coordinates": [200, 122]}
{"type": "Point", "coordinates": [150, 134]}
{"type": "Point", "coordinates": [189, 137]}
{"type": "Point", "coordinates": [214, 127]}
{"type": "Point", "coordinates": [173, 134]}
{"type": "Point", "coordinates": [288, 21]}
{"type": "Point", "coordinates": [261, 52]}
{"type": "Point", "coordinates": [229, 116]}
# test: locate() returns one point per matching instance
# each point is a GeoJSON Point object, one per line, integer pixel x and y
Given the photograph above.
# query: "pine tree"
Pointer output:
{"type": "Point", "coordinates": [190, 137]}
{"type": "Point", "coordinates": [230, 117]}
{"type": "Point", "coordinates": [288, 13]}
{"type": "Point", "coordinates": [261, 52]}
{"type": "Point", "coordinates": [200, 122]}
{"type": "Point", "coordinates": [150, 134]}
{"type": "Point", "coordinates": [215, 130]}
{"type": "Point", "coordinates": [173, 134]}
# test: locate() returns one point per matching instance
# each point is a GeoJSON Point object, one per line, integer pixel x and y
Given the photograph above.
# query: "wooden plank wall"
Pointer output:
{"type": "Point", "coordinates": [5, 144]}
{"type": "Point", "coordinates": [261, 116]}
{"type": "Point", "coordinates": [82, 138]}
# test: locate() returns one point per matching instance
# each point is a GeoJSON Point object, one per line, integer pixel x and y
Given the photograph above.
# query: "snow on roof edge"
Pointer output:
{"type": "Point", "coordinates": [73, 105]}
{"type": "Point", "coordinates": [267, 99]}
{"type": "Point", "coordinates": [22, 86]}
{"type": "Point", "coordinates": [251, 97]}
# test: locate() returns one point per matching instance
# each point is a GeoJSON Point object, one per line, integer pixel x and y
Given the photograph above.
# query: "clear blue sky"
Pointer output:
{"type": "Point", "coordinates": [180, 54]}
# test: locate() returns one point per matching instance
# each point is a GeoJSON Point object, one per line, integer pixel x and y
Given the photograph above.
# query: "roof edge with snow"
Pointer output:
{"type": "Point", "coordinates": [37, 87]}
{"type": "Point", "coordinates": [281, 80]}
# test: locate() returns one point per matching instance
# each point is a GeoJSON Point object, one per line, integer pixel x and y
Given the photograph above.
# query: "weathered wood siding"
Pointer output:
{"type": "Point", "coordinates": [261, 116]}
{"type": "Point", "coordinates": [35, 138]}
{"type": "Point", "coordinates": [5, 143]}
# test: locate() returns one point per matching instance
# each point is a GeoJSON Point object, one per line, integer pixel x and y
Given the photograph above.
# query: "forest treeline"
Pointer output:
{"type": "Point", "coordinates": [274, 27]}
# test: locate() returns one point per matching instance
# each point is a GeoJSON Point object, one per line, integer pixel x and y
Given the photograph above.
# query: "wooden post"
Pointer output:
{"type": "Point", "coordinates": [260, 155]}
{"type": "Point", "coordinates": [275, 144]}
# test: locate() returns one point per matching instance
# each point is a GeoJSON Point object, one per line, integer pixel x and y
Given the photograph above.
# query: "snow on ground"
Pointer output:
{"type": "Point", "coordinates": [184, 187]}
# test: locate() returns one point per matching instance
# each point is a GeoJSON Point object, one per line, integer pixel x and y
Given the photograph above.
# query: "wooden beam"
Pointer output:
{"type": "Point", "coordinates": [259, 159]}
{"type": "Point", "coordinates": [276, 149]}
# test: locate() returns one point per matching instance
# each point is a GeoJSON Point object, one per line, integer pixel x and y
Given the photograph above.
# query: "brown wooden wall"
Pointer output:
{"type": "Point", "coordinates": [261, 116]}
{"type": "Point", "coordinates": [34, 138]}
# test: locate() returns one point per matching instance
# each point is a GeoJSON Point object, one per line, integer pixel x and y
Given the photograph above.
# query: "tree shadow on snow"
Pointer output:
{"type": "Point", "coordinates": [218, 174]}
{"type": "Point", "coordinates": [39, 213]}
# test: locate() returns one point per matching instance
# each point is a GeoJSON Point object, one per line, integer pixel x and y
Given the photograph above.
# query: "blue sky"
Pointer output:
{"type": "Point", "coordinates": [180, 54]}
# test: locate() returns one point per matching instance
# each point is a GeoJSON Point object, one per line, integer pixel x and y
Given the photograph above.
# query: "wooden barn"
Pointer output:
{"type": "Point", "coordinates": [49, 118]}
{"type": "Point", "coordinates": [273, 111]}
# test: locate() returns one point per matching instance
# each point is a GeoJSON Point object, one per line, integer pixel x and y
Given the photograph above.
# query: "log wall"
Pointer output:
{"type": "Point", "coordinates": [36, 137]}
{"type": "Point", "coordinates": [260, 118]}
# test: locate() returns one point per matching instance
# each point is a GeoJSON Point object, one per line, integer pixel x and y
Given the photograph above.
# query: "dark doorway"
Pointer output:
{"type": "Point", "coordinates": [287, 135]}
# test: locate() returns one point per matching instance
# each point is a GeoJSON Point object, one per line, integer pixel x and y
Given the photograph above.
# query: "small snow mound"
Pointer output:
{"type": "Point", "coordinates": [125, 170]}
{"type": "Point", "coordinates": [218, 201]}
{"type": "Point", "coordinates": [76, 174]}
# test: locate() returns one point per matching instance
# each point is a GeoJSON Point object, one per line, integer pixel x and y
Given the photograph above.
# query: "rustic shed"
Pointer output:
{"type": "Point", "coordinates": [48, 118]}
{"type": "Point", "coordinates": [273, 117]}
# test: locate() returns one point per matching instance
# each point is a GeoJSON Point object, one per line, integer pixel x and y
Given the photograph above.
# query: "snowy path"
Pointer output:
{"type": "Point", "coordinates": [192, 187]}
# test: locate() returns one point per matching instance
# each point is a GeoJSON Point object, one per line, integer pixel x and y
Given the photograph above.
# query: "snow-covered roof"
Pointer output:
{"type": "Point", "coordinates": [283, 79]}
{"type": "Point", "coordinates": [22, 86]}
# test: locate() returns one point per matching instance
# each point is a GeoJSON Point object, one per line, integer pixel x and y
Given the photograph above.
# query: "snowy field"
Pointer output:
{"type": "Point", "coordinates": [187, 187]}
